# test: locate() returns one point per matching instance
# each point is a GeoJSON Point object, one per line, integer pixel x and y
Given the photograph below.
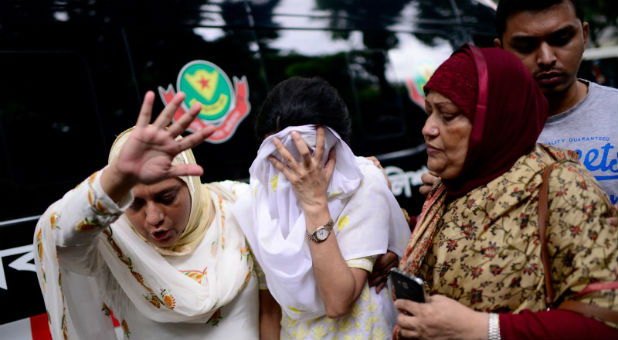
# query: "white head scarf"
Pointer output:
{"type": "Point", "coordinates": [227, 271]}
{"type": "Point", "coordinates": [201, 205]}
{"type": "Point", "coordinates": [368, 219]}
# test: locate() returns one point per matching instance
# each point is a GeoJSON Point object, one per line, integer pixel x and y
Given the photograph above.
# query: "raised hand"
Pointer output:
{"type": "Point", "coordinates": [146, 157]}
{"type": "Point", "coordinates": [148, 153]}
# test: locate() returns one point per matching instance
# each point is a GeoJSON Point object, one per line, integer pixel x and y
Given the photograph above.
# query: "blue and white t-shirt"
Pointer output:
{"type": "Point", "coordinates": [591, 129]}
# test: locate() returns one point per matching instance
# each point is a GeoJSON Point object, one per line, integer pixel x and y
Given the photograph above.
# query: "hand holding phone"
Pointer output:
{"type": "Point", "coordinates": [407, 286]}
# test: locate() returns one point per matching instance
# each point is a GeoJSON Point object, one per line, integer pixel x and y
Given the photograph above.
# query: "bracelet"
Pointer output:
{"type": "Point", "coordinates": [493, 332]}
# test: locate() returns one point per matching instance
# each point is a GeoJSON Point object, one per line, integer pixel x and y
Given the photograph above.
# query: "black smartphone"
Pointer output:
{"type": "Point", "coordinates": [407, 286]}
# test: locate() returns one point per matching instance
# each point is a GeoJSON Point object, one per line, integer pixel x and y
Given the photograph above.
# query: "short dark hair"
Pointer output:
{"type": "Point", "coordinates": [506, 8]}
{"type": "Point", "coordinates": [301, 101]}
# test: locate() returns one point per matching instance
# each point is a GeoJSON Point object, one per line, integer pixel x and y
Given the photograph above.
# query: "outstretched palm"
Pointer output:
{"type": "Point", "coordinates": [147, 155]}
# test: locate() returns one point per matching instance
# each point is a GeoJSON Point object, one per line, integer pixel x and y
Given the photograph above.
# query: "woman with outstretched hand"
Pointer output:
{"type": "Point", "coordinates": [144, 239]}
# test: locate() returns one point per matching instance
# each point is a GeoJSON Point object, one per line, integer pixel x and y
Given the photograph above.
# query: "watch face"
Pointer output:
{"type": "Point", "coordinates": [322, 234]}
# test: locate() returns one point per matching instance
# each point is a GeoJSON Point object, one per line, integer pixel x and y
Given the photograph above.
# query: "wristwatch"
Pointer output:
{"type": "Point", "coordinates": [322, 232]}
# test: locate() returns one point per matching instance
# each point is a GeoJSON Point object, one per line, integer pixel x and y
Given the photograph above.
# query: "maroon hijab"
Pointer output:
{"type": "Point", "coordinates": [505, 105]}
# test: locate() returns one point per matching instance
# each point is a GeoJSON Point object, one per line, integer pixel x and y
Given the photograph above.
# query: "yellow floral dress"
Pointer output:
{"type": "Point", "coordinates": [370, 318]}
{"type": "Point", "coordinates": [486, 251]}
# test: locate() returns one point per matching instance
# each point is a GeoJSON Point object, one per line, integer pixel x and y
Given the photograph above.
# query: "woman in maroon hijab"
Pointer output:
{"type": "Point", "coordinates": [477, 245]}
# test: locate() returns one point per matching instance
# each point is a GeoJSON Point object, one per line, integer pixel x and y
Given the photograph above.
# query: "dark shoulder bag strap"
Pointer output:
{"type": "Point", "coordinates": [600, 313]}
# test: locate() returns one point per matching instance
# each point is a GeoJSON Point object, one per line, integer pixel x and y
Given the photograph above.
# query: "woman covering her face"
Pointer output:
{"type": "Point", "coordinates": [318, 218]}
{"type": "Point", "coordinates": [476, 245]}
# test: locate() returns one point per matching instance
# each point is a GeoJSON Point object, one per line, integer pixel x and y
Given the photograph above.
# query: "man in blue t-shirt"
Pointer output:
{"type": "Point", "coordinates": [549, 36]}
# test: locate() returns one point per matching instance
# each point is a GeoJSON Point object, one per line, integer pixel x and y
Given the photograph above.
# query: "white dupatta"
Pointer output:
{"type": "Point", "coordinates": [368, 219]}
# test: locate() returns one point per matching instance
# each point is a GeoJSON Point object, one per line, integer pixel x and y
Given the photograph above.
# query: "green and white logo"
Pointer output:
{"type": "Point", "coordinates": [205, 83]}
{"type": "Point", "coordinates": [223, 105]}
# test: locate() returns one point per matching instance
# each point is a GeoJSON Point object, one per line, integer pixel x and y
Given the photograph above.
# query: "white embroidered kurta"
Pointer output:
{"type": "Point", "coordinates": [91, 262]}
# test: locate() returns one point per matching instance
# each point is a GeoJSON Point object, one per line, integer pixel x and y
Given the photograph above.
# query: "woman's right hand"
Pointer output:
{"type": "Point", "coordinates": [440, 317]}
{"type": "Point", "coordinates": [146, 157]}
{"type": "Point", "coordinates": [429, 179]}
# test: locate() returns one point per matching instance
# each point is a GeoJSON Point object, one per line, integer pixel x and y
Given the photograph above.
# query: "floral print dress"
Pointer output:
{"type": "Point", "coordinates": [486, 252]}
{"type": "Point", "coordinates": [372, 316]}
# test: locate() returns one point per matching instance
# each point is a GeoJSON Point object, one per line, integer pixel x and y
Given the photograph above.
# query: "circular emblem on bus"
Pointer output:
{"type": "Point", "coordinates": [421, 73]}
{"type": "Point", "coordinates": [205, 83]}
{"type": "Point", "coordinates": [223, 105]}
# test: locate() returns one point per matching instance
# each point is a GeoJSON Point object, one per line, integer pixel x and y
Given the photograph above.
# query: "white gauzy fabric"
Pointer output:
{"type": "Point", "coordinates": [368, 219]}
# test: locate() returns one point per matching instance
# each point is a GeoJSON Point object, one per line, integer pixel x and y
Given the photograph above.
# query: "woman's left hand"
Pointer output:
{"type": "Point", "coordinates": [440, 318]}
{"type": "Point", "coordinates": [309, 177]}
{"type": "Point", "coordinates": [381, 269]}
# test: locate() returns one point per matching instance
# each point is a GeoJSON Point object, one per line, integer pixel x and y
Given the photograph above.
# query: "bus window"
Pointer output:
{"type": "Point", "coordinates": [39, 146]}
{"type": "Point", "coordinates": [378, 103]}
